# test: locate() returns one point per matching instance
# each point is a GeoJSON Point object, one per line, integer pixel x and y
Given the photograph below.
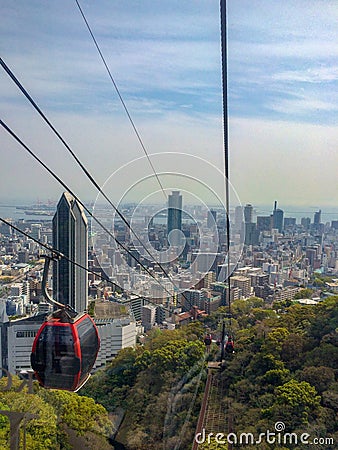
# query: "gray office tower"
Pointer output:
{"type": "Point", "coordinates": [248, 213]}
{"type": "Point", "coordinates": [317, 217]}
{"type": "Point", "coordinates": [211, 219]}
{"type": "Point", "coordinates": [277, 218]}
{"type": "Point", "coordinates": [70, 236]}
{"type": "Point", "coordinates": [174, 211]}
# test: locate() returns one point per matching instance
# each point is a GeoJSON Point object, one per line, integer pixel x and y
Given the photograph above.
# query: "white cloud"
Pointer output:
{"type": "Point", "coordinates": [302, 106]}
{"type": "Point", "coordinates": [165, 59]}
{"type": "Point", "coordinates": [318, 74]}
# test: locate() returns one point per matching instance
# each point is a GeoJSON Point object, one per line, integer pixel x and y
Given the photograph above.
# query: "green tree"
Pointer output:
{"type": "Point", "coordinates": [304, 293]}
{"type": "Point", "coordinates": [320, 377]}
{"type": "Point", "coordinates": [41, 433]}
{"type": "Point", "coordinates": [79, 413]}
{"type": "Point", "coordinates": [297, 394]}
{"type": "Point", "coordinates": [296, 401]}
{"type": "Point", "coordinates": [275, 339]}
{"type": "Point", "coordinates": [292, 350]}
{"type": "Point", "coordinates": [276, 377]}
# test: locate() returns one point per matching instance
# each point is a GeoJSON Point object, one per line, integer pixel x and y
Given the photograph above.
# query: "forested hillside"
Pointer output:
{"type": "Point", "coordinates": [159, 385]}
{"type": "Point", "coordinates": [284, 369]}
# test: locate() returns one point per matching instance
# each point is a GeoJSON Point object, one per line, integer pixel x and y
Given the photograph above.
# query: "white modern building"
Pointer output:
{"type": "Point", "coordinates": [17, 337]}
{"type": "Point", "coordinates": [114, 335]}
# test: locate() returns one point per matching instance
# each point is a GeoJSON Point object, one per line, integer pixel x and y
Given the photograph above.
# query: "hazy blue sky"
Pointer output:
{"type": "Point", "coordinates": [165, 58]}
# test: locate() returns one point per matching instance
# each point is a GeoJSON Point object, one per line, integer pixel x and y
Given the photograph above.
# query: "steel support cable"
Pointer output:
{"type": "Point", "coordinates": [223, 14]}
{"type": "Point", "coordinates": [120, 97]}
{"type": "Point", "coordinates": [84, 169]}
{"type": "Point", "coordinates": [208, 389]}
{"type": "Point", "coordinates": [57, 252]}
{"type": "Point", "coordinates": [61, 255]}
{"type": "Point", "coordinates": [64, 185]}
{"type": "Point", "coordinates": [91, 178]}
{"type": "Point", "coordinates": [88, 211]}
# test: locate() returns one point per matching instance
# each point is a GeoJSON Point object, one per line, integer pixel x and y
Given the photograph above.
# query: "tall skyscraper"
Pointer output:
{"type": "Point", "coordinates": [263, 223]}
{"type": "Point", "coordinates": [248, 209]}
{"type": "Point", "coordinates": [238, 218]}
{"type": "Point", "coordinates": [174, 212]}
{"type": "Point", "coordinates": [317, 217]}
{"type": "Point", "coordinates": [251, 234]}
{"type": "Point", "coordinates": [289, 222]}
{"type": "Point", "coordinates": [70, 236]}
{"type": "Point", "coordinates": [277, 218]}
{"type": "Point", "coordinates": [305, 222]}
{"type": "Point", "coordinates": [36, 230]}
{"type": "Point", "coordinates": [211, 219]}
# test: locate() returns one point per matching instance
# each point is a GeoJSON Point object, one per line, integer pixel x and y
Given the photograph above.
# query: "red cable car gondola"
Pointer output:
{"type": "Point", "coordinates": [229, 346]}
{"type": "Point", "coordinates": [65, 348]}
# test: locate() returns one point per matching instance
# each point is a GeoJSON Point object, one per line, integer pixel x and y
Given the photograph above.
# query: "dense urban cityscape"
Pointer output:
{"type": "Point", "coordinates": [272, 257]}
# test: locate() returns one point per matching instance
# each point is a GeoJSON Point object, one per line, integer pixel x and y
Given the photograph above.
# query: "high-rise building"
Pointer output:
{"type": "Point", "coordinates": [317, 217]}
{"type": "Point", "coordinates": [211, 219]}
{"type": "Point", "coordinates": [251, 234]}
{"type": "Point", "coordinates": [160, 315]}
{"type": "Point", "coordinates": [148, 316]}
{"type": "Point", "coordinates": [243, 283]}
{"type": "Point", "coordinates": [238, 219]}
{"type": "Point", "coordinates": [36, 231]}
{"type": "Point", "coordinates": [263, 223]}
{"type": "Point", "coordinates": [305, 222]}
{"type": "Point", "coordinates": [6, 230]}
{"type": "Point", "coordinates": [289, 222]}
{"type": "Point", "coordinates": [70, 237]}
{"type": "Point", "coordinates": [174, 213]}
{"type": "Point", "coordinates": [23, 256]}
{"type": "Point", "coordinates": [192, 297]}
{"type": "Point", "coordinates": [277, 218]}
{"type": "Point", "coordinates": [248, 209]}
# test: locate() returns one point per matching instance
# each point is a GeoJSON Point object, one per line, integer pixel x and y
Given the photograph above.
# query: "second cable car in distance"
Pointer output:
{"type": "Point", "coordinates": [66, 346]}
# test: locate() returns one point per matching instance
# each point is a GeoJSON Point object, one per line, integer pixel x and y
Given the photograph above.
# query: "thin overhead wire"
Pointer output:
{"type": "Point", "coordinates": [84, 169]}
{"type": "Point", "coordinates": [120, 97]}
{"type": "Point", "coordinates": [65, 186]}
{"type": "Point", "coordinates": [59, 254]}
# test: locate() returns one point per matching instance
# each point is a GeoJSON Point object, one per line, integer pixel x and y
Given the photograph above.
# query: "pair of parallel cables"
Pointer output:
{"type": "Point", "coordinates": [90, 177]}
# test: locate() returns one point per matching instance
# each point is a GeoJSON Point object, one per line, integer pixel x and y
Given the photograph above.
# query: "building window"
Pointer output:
{"type": "Point", "coordinates": [25, 334]}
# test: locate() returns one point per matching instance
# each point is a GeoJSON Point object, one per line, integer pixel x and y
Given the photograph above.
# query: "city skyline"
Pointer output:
{"type": "Point", "coordinates": [165, 58]}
